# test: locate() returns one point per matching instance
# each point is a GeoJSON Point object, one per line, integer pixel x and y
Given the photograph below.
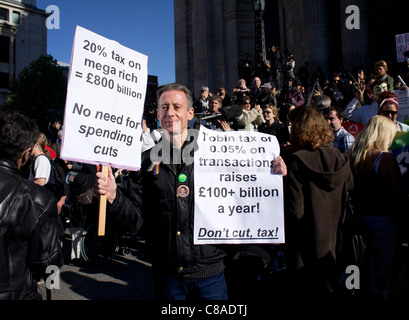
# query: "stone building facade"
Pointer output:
{"type": "Point", "coordinates": [23, 38]}
{"type": "Point", "coordinates": [212, 35]}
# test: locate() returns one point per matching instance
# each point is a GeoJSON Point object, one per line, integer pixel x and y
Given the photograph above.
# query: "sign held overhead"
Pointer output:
{"type": "Point", "coordinates": [105, 101]}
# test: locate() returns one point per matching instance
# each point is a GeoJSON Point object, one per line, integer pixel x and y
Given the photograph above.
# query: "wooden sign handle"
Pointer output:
{"type": "Point", "coordinates": [102, 207]}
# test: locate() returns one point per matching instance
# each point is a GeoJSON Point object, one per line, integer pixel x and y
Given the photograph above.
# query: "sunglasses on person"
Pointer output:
{"type": "Point", "coordinates": [392, 113]}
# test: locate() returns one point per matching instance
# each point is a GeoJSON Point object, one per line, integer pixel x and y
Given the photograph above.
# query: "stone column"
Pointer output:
{"type": "Point", "coordinates": [230, 45]}
{"type": "Point", "coordinates": [215, 45]}
{"type": "Point", "coordinates": [316, 33]}
{"type": "Point", "coordinates": [199, 38]}
{"type": "Point", "coordinates": [182, 45]}
{"type": "Point", "coordinates": [355, 45]}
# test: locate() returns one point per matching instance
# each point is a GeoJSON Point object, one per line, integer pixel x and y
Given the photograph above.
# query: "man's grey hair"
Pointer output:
{"type": "Point", "coordinates": [322, 102]}
{"type": "Point", "coordinates": [177, 87]}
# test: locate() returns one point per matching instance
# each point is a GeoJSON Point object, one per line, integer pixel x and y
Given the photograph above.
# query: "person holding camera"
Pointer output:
{"type": "Point", "coordinates": [289, 96]}
{"type": "Point", "coordinates": [217, 122]}
{"type": "Point", "coordinates": [217, 117]}
{"type": "Point", "coordinates": [240, 91]}
{"type": "Point", "coordinates": [251, 118]}
{"type": "Point", "coordinates": [289, 66]}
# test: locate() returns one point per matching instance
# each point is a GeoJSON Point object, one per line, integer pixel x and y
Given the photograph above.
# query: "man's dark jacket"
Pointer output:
{"type": "Point", "coordinates": [152, 200]}
{"type": "Point", "coordinates": [29, 231]}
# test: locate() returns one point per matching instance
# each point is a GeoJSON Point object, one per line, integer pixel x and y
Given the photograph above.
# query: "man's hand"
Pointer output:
{"type": "Point", "coordinates": [225, 125]}
{"type": "Point", "coordinates": [105, 185]}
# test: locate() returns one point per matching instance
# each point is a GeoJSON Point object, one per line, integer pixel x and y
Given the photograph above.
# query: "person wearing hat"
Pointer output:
{"type": "Point", "coordinates": [365, 113]}
{"type": "Point", "coordinates": [289, 96]}
{"type": "Point", "coordinates": [267, 94]}
{"type": "Point", "coordinates": [389, 107]}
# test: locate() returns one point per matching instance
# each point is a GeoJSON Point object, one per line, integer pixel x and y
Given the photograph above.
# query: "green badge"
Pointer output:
{"type": "Point", "coordinates": [182, 177]}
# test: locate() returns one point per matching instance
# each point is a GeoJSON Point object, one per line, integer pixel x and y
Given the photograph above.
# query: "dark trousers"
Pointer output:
{"type": "Point", "coordinates": [179, 288]}
{"type": "Point", "coordinates": [381, 239]}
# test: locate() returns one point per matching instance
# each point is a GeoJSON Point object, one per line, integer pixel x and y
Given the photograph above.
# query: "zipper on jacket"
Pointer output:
{"type": "Point", "coordinates": [171, 169]}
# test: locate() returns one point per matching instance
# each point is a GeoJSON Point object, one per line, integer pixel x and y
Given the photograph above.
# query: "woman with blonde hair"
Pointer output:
{"type": "Point", "coordinates": [378, 197]}
{"type": "Point", "coordinates": [273, 126]}
{"type": "Point", "coordinates": [313, 191]}
{"type": "Point", "coordinates": [41, 169]}
{"type": "Point", "coordinates": [40, 172]}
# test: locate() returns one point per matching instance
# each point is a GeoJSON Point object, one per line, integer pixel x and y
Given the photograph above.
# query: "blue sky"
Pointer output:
{"type": "Point", "coordinates": [143, 26]}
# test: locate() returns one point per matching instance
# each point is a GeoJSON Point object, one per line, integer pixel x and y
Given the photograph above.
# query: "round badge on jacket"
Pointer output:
{"type": "Point", "coordinates": [183, 191]}
{"type": "Point", "coordinates": [182, 177]}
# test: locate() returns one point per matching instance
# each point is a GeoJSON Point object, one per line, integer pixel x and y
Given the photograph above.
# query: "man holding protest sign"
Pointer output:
{"type": "Point", "coordinates": [161, 197]}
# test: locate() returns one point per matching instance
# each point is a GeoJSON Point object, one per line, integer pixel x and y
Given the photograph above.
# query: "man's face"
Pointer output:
{"type": "Point", "coordinates": [221, 93]}
{"type": "Point", "coordinates": [28, 154]}
{"type": "Point", "coordinates": [335, 81]}
{"type": "Point", "coordinates": [257, 82]}
{"type": "Point", "coordinates": [214, 106]}
{"type": "Point", "coordinates": [204, 93]}
{"type": "Point", "coordinates": [288, 82]}
{"type": "Point", "coordinates": [172, 111]}
{"type": "Point", "coordinates": [334, 122]}
{"type": "Point", "coordinates": [380, 71]}
{"type": "Point", "coordinates": [369, 86]}
{"type": "Point", "coordinates": [377, 90]}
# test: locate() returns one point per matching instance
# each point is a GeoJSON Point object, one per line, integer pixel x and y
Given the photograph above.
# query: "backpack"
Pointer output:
{"type": "Point", "coordinates": [57, 182]}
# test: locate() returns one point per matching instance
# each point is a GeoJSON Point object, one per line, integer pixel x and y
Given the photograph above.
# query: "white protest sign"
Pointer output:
{"type": "Point", "coordinates": [237, 197]}
{"type": "Point", "coordinates": [402, 45]}
{"type": "Point", "coordinates": [403, 98]}
{"type": "Point", "coordinates": [105, 100]}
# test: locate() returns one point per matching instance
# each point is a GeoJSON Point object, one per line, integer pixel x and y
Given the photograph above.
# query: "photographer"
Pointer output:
{"type": "Point", "coordinates": [289, 96]}
{"type": "Point", "coordinates": [240, 91]}
{"type": "Point", "coordinates": [335, 92]}
{"type": "Point", "coordinates": [217, 117]}
{"type": "Point", "coordinates": [289, 66]}
{"type": "Point", "coordinates": [251, 118]}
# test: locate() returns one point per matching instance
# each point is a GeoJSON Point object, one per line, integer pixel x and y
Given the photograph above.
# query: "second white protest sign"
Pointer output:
{"type": "Point", "coordinates": [237, 197]}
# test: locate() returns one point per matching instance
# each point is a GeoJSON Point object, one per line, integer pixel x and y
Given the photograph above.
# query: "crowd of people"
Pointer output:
{"type": "Point", "coordinates": [319, 161]}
